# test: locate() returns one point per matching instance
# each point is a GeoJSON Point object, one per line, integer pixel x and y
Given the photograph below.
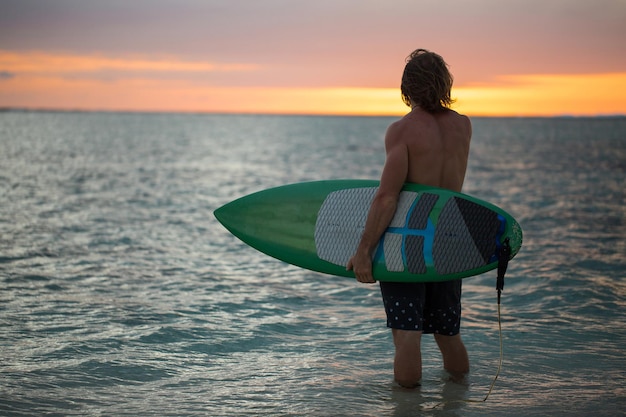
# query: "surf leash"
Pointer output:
{"type": "Point", "coordinates": [504, 252]}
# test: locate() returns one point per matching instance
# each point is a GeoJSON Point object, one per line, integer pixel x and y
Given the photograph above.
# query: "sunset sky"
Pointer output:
{"type": "Point", "coordinates": [508, 57]}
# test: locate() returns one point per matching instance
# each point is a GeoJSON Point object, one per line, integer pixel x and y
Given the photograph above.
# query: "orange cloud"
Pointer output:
{"type": "Point", "coordinates": [42, 62]}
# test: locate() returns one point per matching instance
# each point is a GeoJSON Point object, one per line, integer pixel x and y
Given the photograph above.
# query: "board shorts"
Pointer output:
{"type": "Point", "coordinates": [430, 307]}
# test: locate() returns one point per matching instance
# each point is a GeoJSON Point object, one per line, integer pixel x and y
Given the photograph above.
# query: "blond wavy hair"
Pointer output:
{"type": "Point", "coordinates": [426, 81]}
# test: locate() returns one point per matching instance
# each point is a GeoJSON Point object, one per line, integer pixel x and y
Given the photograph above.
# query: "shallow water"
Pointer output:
{"type": "Point", "coordinates": [122, 295]}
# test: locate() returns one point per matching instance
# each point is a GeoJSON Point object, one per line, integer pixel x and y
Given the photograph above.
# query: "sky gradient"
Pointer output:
{"type": "Point", "coordinates": [509, 58]}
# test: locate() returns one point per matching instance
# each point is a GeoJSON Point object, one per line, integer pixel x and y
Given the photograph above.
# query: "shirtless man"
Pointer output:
{"type": "Point", "coordinates": [430, 146]}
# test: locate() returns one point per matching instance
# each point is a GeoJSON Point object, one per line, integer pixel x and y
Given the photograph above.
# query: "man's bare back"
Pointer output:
{"type": "Point", "coordinates": [423, 148]}
{"type": "Point", "coordinates": [437, 146]}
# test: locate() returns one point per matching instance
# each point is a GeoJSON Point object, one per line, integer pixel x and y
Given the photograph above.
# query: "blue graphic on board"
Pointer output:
{"type": "Point", "coordinates": [459, 235]}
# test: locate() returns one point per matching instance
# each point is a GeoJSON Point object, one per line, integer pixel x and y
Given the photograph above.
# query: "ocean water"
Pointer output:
{"type": "Point", "coordinates": [121, 295]}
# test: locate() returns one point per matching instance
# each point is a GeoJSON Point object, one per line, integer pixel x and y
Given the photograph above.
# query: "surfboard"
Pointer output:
{"type": "Point", "coordinates": [435, 234]}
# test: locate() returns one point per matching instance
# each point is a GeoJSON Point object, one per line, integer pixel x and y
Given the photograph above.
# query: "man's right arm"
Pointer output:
{"type": "Point", "coordinates": [384, 204]}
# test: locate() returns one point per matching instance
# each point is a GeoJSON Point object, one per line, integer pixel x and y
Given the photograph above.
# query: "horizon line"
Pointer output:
{"type": "Point", "coordinates": [10, 109]}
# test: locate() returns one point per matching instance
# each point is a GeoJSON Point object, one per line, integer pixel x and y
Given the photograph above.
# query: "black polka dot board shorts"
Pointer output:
{"type": "Point", "coordinates": [431, 307]}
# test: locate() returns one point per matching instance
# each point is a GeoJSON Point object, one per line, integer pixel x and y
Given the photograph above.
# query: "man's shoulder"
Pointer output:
{"type": "Point", "coordinates": [412, 120]}
{"type": "Point", "coordinates": [452, 119]}
{"type": "Point", "coordinates": [408, 124]}
{"type": "Point", "coordinates": [450, 114]}
{"type": "Point", "coordinates": [417, 122]}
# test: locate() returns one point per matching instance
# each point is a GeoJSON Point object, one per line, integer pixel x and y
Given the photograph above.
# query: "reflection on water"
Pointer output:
{"type": "Point", "coordinates": [121, 292]}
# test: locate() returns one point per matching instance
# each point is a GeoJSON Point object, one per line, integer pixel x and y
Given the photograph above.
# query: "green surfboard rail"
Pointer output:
{"type": "Point", "coordinates": [281, 222]}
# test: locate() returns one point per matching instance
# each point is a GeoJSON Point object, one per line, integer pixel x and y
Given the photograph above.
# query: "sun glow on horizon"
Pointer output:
{"type": "Point", "coordinates": [547, 95]}
{"type": "Point", "coordinates": [38, 80]}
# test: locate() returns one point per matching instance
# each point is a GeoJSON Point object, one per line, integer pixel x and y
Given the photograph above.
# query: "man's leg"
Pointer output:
{"type": "Point", "coordinates": [455, 359]}
{"type": "Point", "coordinates": [407, 364]}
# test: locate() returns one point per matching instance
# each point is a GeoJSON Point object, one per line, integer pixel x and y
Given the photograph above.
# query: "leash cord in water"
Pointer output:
{"type": "Point", "coordinates": [504, 252]}
{"type": "Point", "coordinates": [495, 378]}
{"type": "Point", "coordinates": [499, 363]}
{"type": "Point", "coordinates": [503, 260]}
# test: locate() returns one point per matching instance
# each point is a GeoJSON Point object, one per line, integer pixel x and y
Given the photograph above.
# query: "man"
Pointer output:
{"type": "Point", "coordinates": [430, 146]}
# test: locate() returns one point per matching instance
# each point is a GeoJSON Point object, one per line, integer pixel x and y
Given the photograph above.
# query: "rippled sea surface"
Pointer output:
{"type": "Point", "coordinates": [120, 294]}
